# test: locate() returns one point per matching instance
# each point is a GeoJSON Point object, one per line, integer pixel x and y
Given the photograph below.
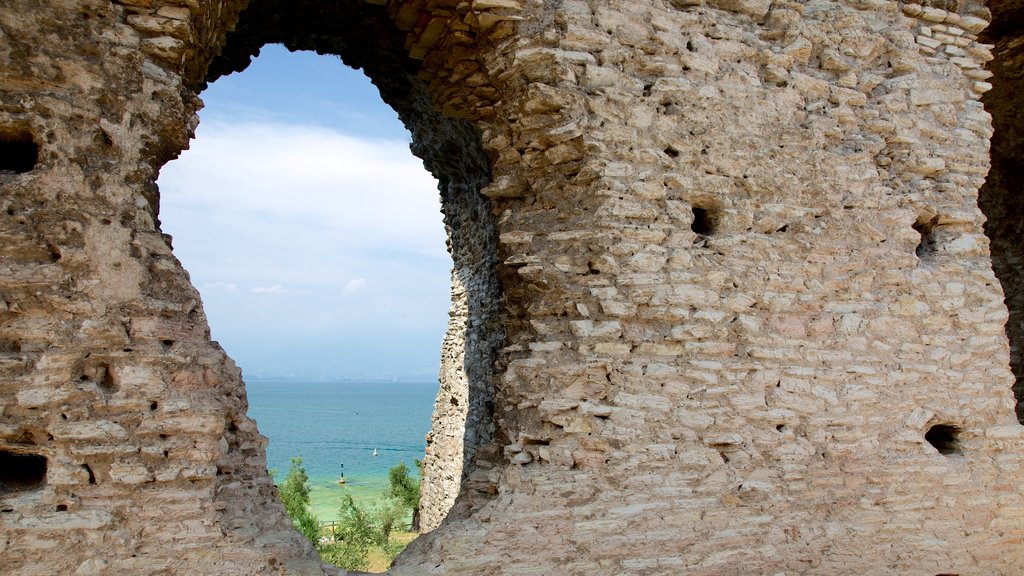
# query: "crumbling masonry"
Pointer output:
{"type": "Point", "coordinates": [737, 289]}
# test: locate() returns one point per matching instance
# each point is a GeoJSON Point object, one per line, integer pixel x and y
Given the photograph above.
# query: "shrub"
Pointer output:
{"type": "Point", "coordinates": [295, 496]}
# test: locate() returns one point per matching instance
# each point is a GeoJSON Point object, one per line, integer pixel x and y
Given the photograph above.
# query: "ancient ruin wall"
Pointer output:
{"type": "Point", "coordinates": [752, 323]}
{"type": "Point", "coordinates": [748, 318]}
{"type": "Point", "coordinates": [152, 466]}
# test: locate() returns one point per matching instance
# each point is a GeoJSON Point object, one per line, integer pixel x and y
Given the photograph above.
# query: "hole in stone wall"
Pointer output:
{"type": "Point", "coordinates": [299, 366]}
{"type": "Point", "coordinates": [927, 246]}
{"type": "Point", "coordinates": [107, 380]}
{"type": "Point", "coordinates": [944, 438]}
{"type": "Point", "coordinates": [18, 151]}
{"type": "Point", "coordinates": [21, 471]}
{"type": "Point", "coordinates": [703, 221]}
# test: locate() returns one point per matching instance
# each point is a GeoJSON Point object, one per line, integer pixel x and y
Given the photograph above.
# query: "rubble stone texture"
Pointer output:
{"type": "Point", "coordinates": [723, 296]}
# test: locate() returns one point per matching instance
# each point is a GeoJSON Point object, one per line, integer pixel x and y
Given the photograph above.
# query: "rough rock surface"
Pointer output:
{"type": "Point", "coordinates": [723, 295]}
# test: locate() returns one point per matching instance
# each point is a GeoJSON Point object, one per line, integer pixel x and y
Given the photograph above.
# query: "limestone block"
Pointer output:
{"type": "Point", "coordinates": [756, 9]}
{"type": "Point", "coordinates": [97, 430]}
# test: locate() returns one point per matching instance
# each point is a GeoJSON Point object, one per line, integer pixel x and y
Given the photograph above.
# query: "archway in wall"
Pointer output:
{"type": "Point", "coordinates": [330, 281]}
{"type": "Point", "coordinates": [1002, 196]}
{"type": "Point", "coordinates": [365, 37]}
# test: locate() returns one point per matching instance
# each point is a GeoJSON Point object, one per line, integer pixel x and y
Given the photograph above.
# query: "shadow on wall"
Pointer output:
{"type": "Point", "coordinates": [1000, 198]}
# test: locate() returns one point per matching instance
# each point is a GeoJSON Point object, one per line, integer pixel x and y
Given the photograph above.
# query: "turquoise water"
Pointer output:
{"type": "Point", "coordinates": [333, 423]}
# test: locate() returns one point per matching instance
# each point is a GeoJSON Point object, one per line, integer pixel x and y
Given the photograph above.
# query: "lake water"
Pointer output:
{"type": "Point", "coordinates": [330, 424]}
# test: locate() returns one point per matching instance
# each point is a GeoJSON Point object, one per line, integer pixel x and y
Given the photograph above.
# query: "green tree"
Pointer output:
{"type": "Point", "coordinates": [387, 519]}
{"type": "Point", "coordinates": [294, 494]}
{"type": "Point", "coordinates": [354, 537]}
{"type": "Point", "coordinates": [406, 489]}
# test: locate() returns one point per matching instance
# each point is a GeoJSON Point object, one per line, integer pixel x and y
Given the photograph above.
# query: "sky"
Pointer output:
{"type": "Point", "coordinates": [311, 231]}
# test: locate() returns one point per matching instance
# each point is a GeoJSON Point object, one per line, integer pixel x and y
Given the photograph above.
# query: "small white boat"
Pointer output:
{"type": "Point", "coordinates": [374, 451]}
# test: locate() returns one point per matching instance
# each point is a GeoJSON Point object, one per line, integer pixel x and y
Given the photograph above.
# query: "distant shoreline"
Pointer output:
{"type": "Point", "coordinates": [396, 379]}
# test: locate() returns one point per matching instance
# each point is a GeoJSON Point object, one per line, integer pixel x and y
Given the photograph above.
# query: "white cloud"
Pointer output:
{"type": "Point", "coordinates": [352, 188]}
{"type": "Point", "coordinates": [354, 285]}
{"type": "Point", "coordinates": [275, 289]}
{"type": "Point", "coordinates": [223, 286]}
{"type": "Point", "coordinates": [263, 209]}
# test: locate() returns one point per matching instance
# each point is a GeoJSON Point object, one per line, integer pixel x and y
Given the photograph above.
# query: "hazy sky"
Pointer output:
{"type": "Point", "coordinates": [312, 232]}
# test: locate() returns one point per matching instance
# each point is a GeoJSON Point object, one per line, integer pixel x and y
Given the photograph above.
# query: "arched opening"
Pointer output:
{"type": "Point", "coordinates": [329, 284]}
{"type": "Point", "coordinates": [1000, 198]}
{"type": "Point", "coordinates": [365, 37]}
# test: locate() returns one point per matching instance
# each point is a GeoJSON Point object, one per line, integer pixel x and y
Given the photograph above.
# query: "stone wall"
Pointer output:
{"type": "Point", "coordinates": [730, 250]}
{"type": "Point", "coordinates": [152, 466]}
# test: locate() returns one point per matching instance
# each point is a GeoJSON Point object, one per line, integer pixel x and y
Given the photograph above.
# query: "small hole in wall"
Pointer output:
{"type": "Point", "coordinates": [18, 152]}
{"type": "Point", "coordinates": [62, 507]}
{"type": "Point", "coordinates": [671, 152]}
{"type": "Point", "coordinates": [927, 246]}
{"type": "Point", "coordinates": [944, 438]}
{"type": "Point", "coordinates": [88, 470]}
{"type": "Point", "coordinates": [107, 382]}
{"type": "Point", "coordinates": [19, 471]}
{"type": "Point", "coordinates": [703, 223]}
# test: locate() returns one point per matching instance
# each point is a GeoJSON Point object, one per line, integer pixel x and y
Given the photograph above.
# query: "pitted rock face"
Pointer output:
{"type": "Point", "coordinates": [723, 299]}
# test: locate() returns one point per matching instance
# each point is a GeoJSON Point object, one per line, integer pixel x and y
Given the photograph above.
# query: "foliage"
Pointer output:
{"type": "Point", "coordinates": [295, 496]}
{"type": "Point", "coordinates": [359, 530]}
{"type": "Point", "coordinates": [354, 536]}
{"type": "Point", "coordinates": [346, 555]}
{"type": "Point", "coordinates": [405, 489]}
{"type": "Point", "coordinates": [402, 486]}
{"type": "Point", "coordinates": [356, 524]}
{"type": "Point", "coordinates": [388, 519]}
